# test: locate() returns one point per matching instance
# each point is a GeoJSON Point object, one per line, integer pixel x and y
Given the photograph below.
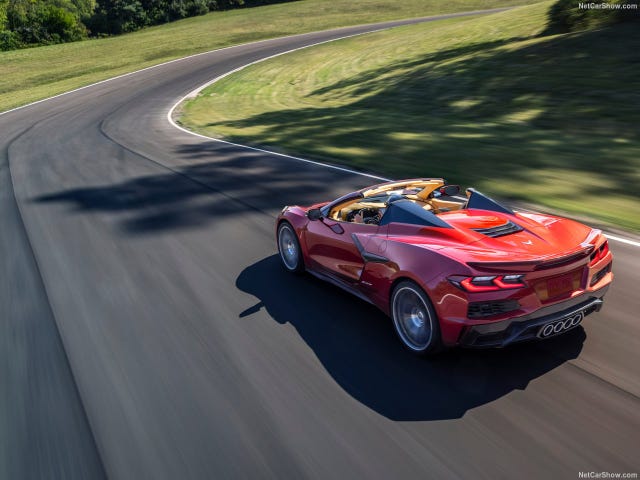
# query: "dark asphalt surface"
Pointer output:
{"type": "Point", "coordinates": [147, 330]}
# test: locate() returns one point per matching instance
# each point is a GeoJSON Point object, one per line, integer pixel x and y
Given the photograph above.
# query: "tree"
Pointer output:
{"type": "Point", "coordinates": [3, 14]}
{"type": "Point", "coordinates": [42, 22]}
{"type": "Point", "coordinates": [33, 22]}
{"type": "Point", "coordinates": [569, 16]}
{"type": "Point", "coordinates": [117, 16]}
{"type": "Point", "coordinates": [8, 40]}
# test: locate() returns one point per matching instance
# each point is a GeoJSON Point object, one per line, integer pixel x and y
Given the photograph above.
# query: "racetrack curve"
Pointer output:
{"type": "Point", "coordinates": [147, 330]}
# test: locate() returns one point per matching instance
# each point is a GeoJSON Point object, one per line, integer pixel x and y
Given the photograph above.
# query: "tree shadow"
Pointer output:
{"type": "Point", "coordinates": [355, 342]}
{"type": "Point", "coordinates": [370, 80]}
{"type": "Point", "coordinates": [512, 115]}
{"type": "Point", "coordinates": [205, 190]}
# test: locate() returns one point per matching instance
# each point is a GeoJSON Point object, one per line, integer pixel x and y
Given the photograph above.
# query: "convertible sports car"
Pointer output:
{"type": "Point", "coordinates": [451, 270]}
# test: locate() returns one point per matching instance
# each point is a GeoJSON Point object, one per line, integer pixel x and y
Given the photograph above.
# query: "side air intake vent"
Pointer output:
{"type": "Point", "coordinates": [506, 229]}
{"type": "Point", "coordinates": [600, 275]}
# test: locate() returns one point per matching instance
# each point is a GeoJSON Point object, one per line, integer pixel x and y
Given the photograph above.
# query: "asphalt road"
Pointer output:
{"type": "Point", "coordinates": [147, 330]}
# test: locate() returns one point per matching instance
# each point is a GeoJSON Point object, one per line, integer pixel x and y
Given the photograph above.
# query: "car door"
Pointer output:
{"type": "Point", "coordinates": [332, 249]}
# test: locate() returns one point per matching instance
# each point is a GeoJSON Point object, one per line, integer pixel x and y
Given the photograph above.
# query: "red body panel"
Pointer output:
{"type": "Point", "coordinates": [554, 255]}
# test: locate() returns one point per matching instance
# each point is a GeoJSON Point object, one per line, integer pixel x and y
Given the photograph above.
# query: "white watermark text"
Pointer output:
{"type": "Point", "coordinates": [607, 475]}
{"type": "Point", "coordinates": [607, 6]}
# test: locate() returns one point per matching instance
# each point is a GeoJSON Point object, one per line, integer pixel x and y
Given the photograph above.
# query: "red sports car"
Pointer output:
{"type": "Point", "coordinates": [451, 270]}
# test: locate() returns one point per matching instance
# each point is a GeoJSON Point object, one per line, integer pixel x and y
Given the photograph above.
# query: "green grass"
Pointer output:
{"type": "Point", "coordinates": [36, 73]}
{"type": "Point", "coordinates": [489, 101]}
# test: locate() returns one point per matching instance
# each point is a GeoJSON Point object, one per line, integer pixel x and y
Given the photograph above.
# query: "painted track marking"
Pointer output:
{"type": "Point", "coordinates": [194, 93]}
{"type": "Point", "coordinates": [197, 90]}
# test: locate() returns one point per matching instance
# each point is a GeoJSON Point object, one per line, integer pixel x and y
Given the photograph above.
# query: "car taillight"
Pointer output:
{"type": "Point", "coordinates": [599, 253]}
{"type": "Point", "coordinates": [488, 283]}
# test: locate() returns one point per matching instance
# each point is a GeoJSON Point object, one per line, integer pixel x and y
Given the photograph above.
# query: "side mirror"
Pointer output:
{"type": "Point", "coordinates": [449, 190]}
{"type": "Point", "coordinates": [314, 214]}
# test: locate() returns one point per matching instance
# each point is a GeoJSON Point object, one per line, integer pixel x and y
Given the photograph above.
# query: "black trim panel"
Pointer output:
{"type": "Point", "coordinates": [480, 201]}
{"type": "Point", "coordinates": [503, 333]}
{"type": "Point", "coordinates": [367, 256]}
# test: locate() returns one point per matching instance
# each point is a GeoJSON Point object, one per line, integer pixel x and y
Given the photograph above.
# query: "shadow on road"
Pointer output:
{"type": "Point", "coordinates": [357, 345]}
{"type": "Point", "coordinates": [205, 191]}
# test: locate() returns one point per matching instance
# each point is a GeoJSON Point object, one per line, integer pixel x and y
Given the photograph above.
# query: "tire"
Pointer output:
{"type": "Point", "coordinates": [414, 319]}
{"type": "Point", "coordinates": [289, 248]}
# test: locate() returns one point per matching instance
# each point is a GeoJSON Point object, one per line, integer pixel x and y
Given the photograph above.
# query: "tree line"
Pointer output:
{"type": "Point", "coordinates": [41, 22]}
{"type": "Point", "coordinates": [575, 15]}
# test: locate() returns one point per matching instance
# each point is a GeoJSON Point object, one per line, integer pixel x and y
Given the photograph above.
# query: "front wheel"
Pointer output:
{"type": "Point", "coordinates": [289, 248]}
{"type": "Point", "coordinates": [414, 319]}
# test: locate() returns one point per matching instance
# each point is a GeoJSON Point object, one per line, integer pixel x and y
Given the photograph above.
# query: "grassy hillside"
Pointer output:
{"type": "Point", "coordinates": [32, 74]}
{"type": "Point", "coordinates": [489, 101]}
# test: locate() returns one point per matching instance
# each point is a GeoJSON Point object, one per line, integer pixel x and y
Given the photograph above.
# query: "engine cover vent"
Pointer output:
{"type": "Point", "coordinates": [505, 229]}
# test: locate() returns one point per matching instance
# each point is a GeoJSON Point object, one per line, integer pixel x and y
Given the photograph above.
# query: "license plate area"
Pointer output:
{"type": "Point", "coordinates": [561, 325]}
{"type": "Point", "coordinates": [560, 285]}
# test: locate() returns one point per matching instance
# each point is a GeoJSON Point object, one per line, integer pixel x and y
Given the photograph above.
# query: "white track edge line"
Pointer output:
{"type": "Point", "coordinates": [194, 92]}
{"type": "Point", "coordinates": [123, 76]}
{"type": "Point", "coordinates": [197, 90]}
{"type": "Point", "coordinates": [454, 14]}
{"type": "Point", "coordinates": [622, 240]}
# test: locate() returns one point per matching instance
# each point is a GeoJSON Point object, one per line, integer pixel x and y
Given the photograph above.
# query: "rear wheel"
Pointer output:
{"type": "Point", "coordinates": [289, 248]}
{"type": "Point", "coordinates": [414, 319]}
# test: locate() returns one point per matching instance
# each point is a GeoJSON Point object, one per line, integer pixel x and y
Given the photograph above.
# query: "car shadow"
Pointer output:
{"type": "Point", "coordinates": [356, 343]}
